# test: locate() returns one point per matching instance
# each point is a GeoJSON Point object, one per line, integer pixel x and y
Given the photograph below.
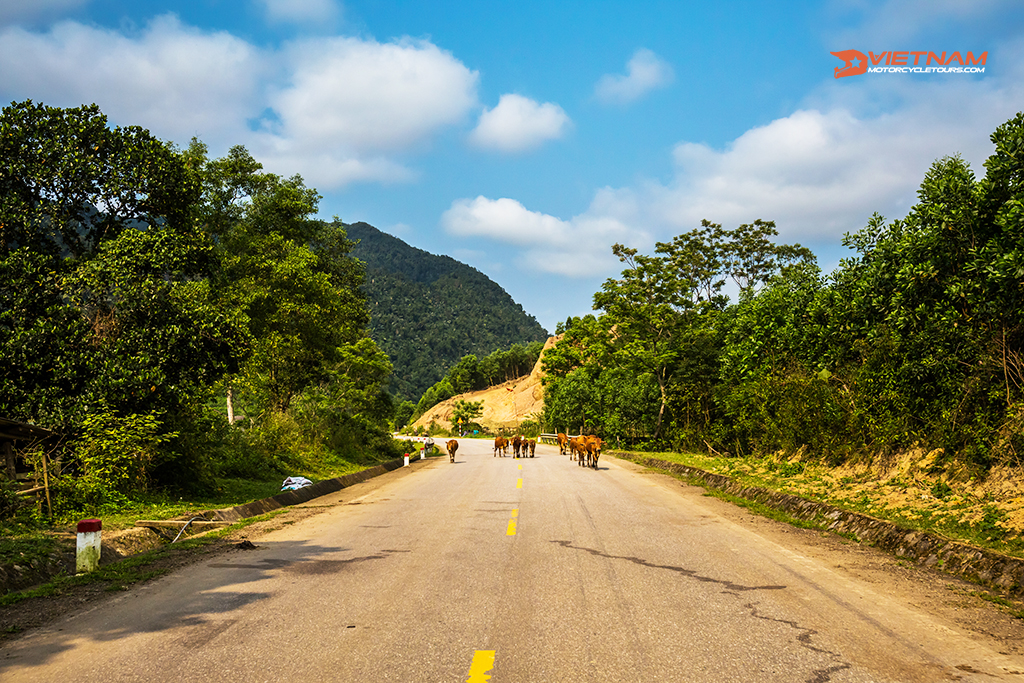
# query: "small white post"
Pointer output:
{"type": "Point", "coordinates": [87, 557]}
{"type": "Point", "coordinates": [406, 459]}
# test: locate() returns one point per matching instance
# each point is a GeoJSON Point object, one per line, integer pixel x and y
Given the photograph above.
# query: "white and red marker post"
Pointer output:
{"type": "Point", "coordinates": [87, 556]}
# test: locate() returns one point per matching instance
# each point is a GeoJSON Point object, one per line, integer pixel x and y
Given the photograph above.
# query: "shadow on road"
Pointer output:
{"type": "Point", "coordinates": [193, 603]}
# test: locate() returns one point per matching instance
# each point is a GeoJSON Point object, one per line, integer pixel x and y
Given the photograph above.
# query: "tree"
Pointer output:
{"type": "Point", "coordinates": [288, 276]}
{"type": "Point", "coordinates": [68, 181]}
{"type": "Point", "coordinates": [464, 412]}
{"type": "Point", "coordinates": [752, 258]}
{"type": "Point", "coordinates": [104, 292]}
{"type": "Point", "coordinates": [648, 309]}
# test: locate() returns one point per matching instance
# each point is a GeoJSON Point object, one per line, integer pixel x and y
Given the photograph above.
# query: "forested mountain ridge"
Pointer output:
{"type": "Point", "coordinates": [428, 311]}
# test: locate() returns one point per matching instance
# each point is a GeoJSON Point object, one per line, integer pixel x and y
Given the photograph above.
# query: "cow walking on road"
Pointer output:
{"type": "Point", "coordinates": [452, 446]}
{"type": "Point", "coordinates": [592, 445]}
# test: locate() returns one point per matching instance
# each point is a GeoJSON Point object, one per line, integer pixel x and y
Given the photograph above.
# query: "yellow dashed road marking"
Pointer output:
{"type": "Point", "coordinates": [483, 661]}
{"type": "Point", "coordinates": [512, 524]}
{"type": "Point", "coordinates": [519, 483]}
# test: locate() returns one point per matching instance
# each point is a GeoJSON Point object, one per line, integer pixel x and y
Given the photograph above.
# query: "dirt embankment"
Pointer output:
{"type": "Point", "coordinates": [505, 405]}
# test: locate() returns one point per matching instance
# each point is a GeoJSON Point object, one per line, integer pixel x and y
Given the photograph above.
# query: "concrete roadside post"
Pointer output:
{"type": "Point", "coordinates": [406, 460]}
{"type": "Point", "coordinates": [87, 556]}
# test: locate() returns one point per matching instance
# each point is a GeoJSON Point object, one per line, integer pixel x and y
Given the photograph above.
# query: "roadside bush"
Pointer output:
{"type": "Point", "coordinates": [529, 428]}
{"type": "Point", "coordinates": [110, 461]}
{"type": "Point", "coordinates": [788, 411]}
{"type": "Point", "coordinates": [10, 501]}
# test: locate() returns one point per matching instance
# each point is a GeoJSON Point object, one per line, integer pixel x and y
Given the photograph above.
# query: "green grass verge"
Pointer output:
{"type": "Point", "coordinates": [972, 520]}
{"type": "Point", "coordinates": [764, 510]}
{"type": "Point", "coordinates": [121, 575]}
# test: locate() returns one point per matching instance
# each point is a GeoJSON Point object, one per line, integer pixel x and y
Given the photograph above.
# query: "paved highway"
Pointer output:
{"type": "Point", "coordinates": [529, 570]}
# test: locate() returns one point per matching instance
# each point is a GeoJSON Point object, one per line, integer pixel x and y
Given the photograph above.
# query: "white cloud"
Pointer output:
{"type": "Point", "coordinates": [352, 103]}
{"type": "Point", "coordinates": [818, 172]}
{"type": "Point", "coordinates": [15, 11]}
{"type": "Point", "coordinates": [822, 171]}
{"type": "Point", "coordinates": [579, 247]}
{"type": "Point", "coordinates": [645, 72]}
{"type": "Point", "coordinates": [345, 109]}
{"type": "Point", "coordinates": [518, 124]}
{"type": "Point", "coordinates": [175, 80]}
{"type": "Point", "coordinates": [302, 11]}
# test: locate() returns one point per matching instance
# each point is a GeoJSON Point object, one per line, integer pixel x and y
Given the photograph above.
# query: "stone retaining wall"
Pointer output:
{"type": "Point", "coordinates": [984, 567]}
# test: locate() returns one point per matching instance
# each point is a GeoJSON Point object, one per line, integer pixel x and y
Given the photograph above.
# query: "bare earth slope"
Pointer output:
{"type": "Point", "coordinates": [505, 405]}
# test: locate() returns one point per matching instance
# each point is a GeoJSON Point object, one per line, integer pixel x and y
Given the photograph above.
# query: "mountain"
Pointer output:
{"type": "Point", "coordinates": [428, 311]}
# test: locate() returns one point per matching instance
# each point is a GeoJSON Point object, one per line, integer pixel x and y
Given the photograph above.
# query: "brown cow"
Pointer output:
{"type": "Point", "coordinates": [452, 446]}
{"type": "Point", "coordinates": [517, 445]}
{"type": "Point", "coordinates": [532, 444]}
{"type": "Point", "coordinates": [500, 444]}
{"type": "Point", "coordinates": [576, 448]}
{"type": "Point", "coordinates": [563, 443]}
{"type": "Point", "coordinates": [593, 447]}
{"type": "Point", "coordinates": [583, 451]}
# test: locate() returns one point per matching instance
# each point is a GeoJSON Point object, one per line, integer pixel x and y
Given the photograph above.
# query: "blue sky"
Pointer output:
{"type": "Point", "coordinates": [525, 138]}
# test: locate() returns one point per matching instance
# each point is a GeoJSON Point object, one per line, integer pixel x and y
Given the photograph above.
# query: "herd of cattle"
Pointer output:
{"type": "Point", "coordinates": [584, 449]}
{"type": "Point", "coordinates": [520, 447]}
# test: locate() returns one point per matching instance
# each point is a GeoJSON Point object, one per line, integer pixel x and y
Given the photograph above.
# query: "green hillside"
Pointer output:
{"type": "Point", "coordinates": [428, 311]}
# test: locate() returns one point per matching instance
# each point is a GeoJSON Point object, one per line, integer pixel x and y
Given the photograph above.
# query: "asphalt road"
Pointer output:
{"type": "Point", "coordinates": [529, 570]}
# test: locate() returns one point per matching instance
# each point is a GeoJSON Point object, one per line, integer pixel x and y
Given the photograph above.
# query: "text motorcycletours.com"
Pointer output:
{"type": "Point", "coordinates": [856, 62]}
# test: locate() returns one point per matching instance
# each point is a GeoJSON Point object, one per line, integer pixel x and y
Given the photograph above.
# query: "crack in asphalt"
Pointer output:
{"type": "Point", "coordinates": [818, 675]}
{"type": "Point", "coordinates": [679, 570]}
{"type": "Point", "coordinates": [823, 675]}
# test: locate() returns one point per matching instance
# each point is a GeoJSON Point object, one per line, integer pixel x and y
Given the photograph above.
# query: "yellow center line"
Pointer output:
{"type": "Point", "coordinates": [519, 483]}
{"type": "Point", "coordinates": [483, 661]}
{"type": "Point", "coordinates": [512, 523]}
{"type": "Point", "coordinates": [520, 465]}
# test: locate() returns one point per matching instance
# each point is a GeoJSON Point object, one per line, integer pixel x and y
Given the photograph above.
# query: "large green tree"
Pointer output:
{"type": "Point", "coordinates": [104, 298]}
{"type": "Point", "coordinates": [284, 273]}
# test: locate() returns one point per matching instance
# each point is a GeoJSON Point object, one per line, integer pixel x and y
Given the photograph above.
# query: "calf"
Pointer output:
{"type": "Point", "coordinates": [452, 446]}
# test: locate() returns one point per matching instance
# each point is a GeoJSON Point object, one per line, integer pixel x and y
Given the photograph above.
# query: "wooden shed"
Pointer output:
{"type": "Point", "coordinates": [17, 436]}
